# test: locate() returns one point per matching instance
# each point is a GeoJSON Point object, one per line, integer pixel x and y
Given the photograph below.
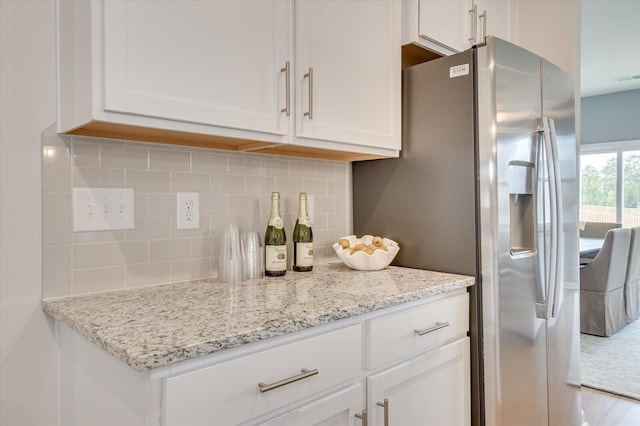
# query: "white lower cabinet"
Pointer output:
{"type": "Point", "coordinates": [429, 389]}
{"type": "Point", "coordinates": [417, 359]}
{"type": "Point", "coordinates": [415, 356]}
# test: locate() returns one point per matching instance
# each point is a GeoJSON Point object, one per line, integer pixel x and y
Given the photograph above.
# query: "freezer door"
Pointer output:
{"type": "Point", "coordinates": [563, 337]}
{"type": "Point", "coordinates": [514, 291]}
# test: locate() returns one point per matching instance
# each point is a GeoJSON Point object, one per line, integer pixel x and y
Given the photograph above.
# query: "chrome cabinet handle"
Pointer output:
{"type": "Point", "coordinates": [309, 75]}
{"type": "Point", "coordinates": [438, 326]}
{"type": "Point", "coordinates": [483, 16]}
{"type": "Point", "coordinates": [474, 13]}
{"type": "Point", "coordinates": [287, 71]}
{"type": "Point", "coordinates": [385, 405]}
{"type": "Point", "coordinates": [363, 416]}
{"type": "Point", "coordinates": [304, 373]}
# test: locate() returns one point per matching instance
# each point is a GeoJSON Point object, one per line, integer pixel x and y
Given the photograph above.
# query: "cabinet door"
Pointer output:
{"type": "Point", "coordinates": [209, 62]}
{"type": "Point", "coordinates": [497, 18]}
{"type": "Point", "coordinates": [337, 409]}
{"type": "Point", "coordinates": [430, 389]}
{"type": "Point", "coordinates": [353, 50]}
{"type": "Point", "coordinates": [446, 22]}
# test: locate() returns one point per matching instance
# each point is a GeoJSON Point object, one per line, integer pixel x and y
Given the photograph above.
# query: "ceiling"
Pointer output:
{"type": "Point", "coordinates": [610, 56]}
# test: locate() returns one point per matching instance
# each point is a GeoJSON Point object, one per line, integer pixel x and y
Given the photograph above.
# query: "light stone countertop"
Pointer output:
{"type": "Point", "coordinates": [150, 327]}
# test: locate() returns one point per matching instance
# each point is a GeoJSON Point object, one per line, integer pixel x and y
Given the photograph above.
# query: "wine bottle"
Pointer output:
{"type": "Point", "coordinates": [275, 241]}
{"type": "Point", "coordinates": [302, 238]}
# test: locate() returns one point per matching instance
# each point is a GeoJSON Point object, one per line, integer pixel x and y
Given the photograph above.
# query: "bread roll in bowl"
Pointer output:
{"type": "Point", "coordinates": [367, 253]}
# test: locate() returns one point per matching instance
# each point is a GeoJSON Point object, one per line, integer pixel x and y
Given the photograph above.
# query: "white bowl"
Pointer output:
{"type": "Point", "coordinates": [362, 261]}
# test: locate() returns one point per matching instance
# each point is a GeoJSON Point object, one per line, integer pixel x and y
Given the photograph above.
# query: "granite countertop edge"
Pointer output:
{"type": "Point", "coordinates": [93, 331]}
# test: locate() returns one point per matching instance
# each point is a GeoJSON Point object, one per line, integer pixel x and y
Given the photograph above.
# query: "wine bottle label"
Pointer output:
{"type": "Point", "coordinates": [304, 254]}
{"type": "Point", "coordinates": [275, 258]}
{"type": "Point", "coordinates": [276, 223]}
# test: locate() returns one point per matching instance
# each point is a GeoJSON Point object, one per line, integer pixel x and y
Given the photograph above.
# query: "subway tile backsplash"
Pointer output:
{"type": "Point", "coordinates": [234, 188]}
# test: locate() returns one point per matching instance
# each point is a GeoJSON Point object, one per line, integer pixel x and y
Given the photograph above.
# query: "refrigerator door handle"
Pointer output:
{"type": "Point", "coordinates": [552, 265]}
{"type": "Point", "coordinates": [553, 272]}
{"type": "Point", "coordinates": [542, 304]}
{"type": "Point", "coordinates": [559, 221]}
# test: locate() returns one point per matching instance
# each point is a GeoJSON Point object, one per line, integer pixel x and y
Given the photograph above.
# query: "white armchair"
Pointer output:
{"type": "Point", "coordinates": [602, 309]}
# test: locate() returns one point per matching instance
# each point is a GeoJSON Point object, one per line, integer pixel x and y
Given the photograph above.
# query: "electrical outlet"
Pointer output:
{"type": "Point", "coordinates": [188, 210]}
{"type": "Point", "coordinates": [103, 209]}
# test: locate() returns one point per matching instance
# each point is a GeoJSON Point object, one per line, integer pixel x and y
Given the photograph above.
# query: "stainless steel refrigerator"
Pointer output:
{"type": "Point", "coordinates": [486, 185]}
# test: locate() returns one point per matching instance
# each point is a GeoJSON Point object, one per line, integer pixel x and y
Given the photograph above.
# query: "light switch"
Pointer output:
{"type": "Point", "coordinates": [103, 209]}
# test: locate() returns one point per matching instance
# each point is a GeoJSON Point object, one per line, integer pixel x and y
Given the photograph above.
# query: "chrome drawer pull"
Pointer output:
{"type": "Point", "coordinates": [438, 326]}
{"type": "Point", "coordinates": [474, 16]}
{"type": "Point", "coordinates": [304, 373]}
{"type": "Point", "coordinates": [483, 16]}
{"type": "Point", "coordinates": [385, 404]}
{"type": "Point", "coordinates": [287, 71]}
{"type": "Point", "coordinates": [363, 417]}
{"type": "Point", "coordinates": [309, 75]}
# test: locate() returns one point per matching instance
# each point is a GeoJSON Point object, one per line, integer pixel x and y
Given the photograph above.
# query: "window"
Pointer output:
{"type": "Point", "coordinates": [610, 183]}
{"type": "Point", "coordinates": [631, 188]}
{"type": "Point", "coordinates": [598, 184]}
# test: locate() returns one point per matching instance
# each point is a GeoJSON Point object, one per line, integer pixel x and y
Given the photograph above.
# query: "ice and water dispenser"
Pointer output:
{"type": "Point", "coordinates": [522, 178]}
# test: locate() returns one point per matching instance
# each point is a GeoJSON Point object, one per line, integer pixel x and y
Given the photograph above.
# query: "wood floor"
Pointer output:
{"type": "Point", "coordinates": [606, 409]}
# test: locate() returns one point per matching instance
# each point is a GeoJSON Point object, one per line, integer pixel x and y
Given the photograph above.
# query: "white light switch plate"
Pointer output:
{"type": "Point", "coordinates": [103, 209]}
{"type": "Point", "coordinates": [188, 210]}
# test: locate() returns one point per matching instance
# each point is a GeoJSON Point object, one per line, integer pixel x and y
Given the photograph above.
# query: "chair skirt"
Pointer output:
{"type": "Point", "coordinates": [632, 300]}
{"type": "Point", "coordinates": [602, 314]}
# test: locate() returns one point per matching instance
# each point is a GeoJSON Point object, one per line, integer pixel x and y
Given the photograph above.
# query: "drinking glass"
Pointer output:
{"type": "Point", "coordinates": [230, 258]}
{"type": "Point", "coordinates": [252, 255]}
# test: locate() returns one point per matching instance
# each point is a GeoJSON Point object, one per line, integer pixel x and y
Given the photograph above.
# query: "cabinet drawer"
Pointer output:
{"type": "Point", "coordinates": [397, 335]}
{"type": "Point", "coordinates": [229, 393]}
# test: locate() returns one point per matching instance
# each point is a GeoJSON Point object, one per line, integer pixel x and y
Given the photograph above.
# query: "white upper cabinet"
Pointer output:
{"type": "Point", "coordinates": [449, 26]}
{"type": "Point", "coordinates": [225, 74]}
{"type": "Point", "coordinates": [494, 18]}
{"type": "Point", "coordinates": [446, 22]}
{"type": "Point", "coordinates": [348, 73]}
{"type": "Point", "coordinates": [197, 61]}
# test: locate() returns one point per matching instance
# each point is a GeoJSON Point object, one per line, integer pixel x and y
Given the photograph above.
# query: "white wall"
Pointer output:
{"type": "Point", "coordinates": [611, 117]}
{"type": "Point", "coordinates": [28, 378]}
